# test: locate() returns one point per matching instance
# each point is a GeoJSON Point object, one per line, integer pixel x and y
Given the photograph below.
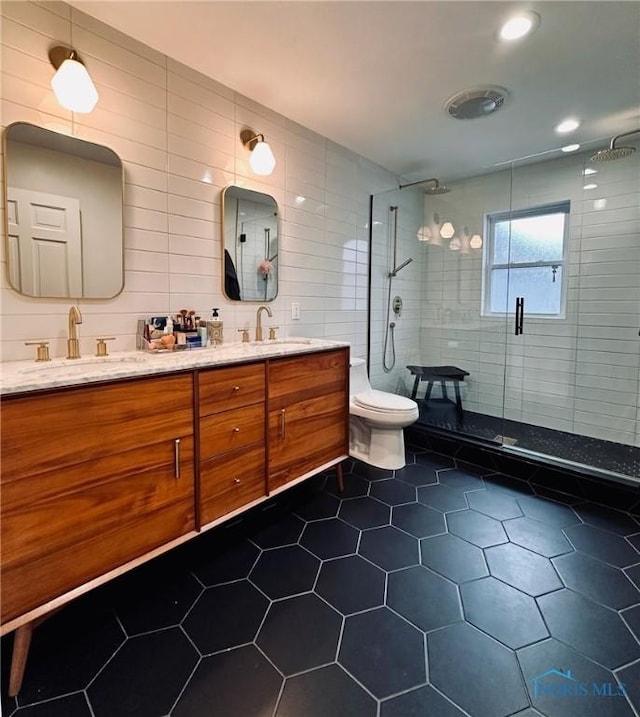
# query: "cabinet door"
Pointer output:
{"type": "Point", "coordinates": [92, 478]}
{"type": "Point", "coordinates": [308, 399]}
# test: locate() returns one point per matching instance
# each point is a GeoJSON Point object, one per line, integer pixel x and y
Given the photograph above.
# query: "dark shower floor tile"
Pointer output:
{"type": "Point", "coordinates": [597, 632]}
{"type": "Point", "coordinates": [597, 581]}
{"type": "Point", "coordinates": [630, 678]}
{"type": "Point", "coordinates": [607, 455]}
{"type": "Point", "coordinates": [363, 634]}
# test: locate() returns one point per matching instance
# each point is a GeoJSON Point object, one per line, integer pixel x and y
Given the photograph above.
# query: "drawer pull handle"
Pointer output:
{"type": "Point", "coordinates": [237, 481]}
{"type": "Point", "coordinates": [236, 430]}
{"type": "Point", "coordinates": [176, 449]}
{"type": "Point", "coordinates": [282, 423]}
{"type": "Point", "coordinates": [236, 388]}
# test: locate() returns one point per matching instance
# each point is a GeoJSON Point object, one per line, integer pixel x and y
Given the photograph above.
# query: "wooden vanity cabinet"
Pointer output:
{"type": "Point", "coordinates": [308, 400]}
{"type": "Point", "coordinates": [232, 446]}
{"type": "Point", "coordinates": [92, 478]}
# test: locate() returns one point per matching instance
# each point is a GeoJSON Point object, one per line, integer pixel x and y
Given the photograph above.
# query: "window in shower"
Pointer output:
{"type": "Point", "coordinates": [525, 256]}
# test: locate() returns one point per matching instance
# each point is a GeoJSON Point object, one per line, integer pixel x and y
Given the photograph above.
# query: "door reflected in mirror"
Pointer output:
{"type": "Point", "coordinates": [64, 215]}
{"type": "Point", "coordinates": [250, 231]}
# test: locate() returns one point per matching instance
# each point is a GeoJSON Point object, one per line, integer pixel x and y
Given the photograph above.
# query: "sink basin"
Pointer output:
{"type": "Point", "coordinates": [73, 367]}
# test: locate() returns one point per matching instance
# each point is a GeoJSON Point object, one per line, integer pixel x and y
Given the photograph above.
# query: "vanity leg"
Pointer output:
{"type": "Point", "coordinates": [21, 644]}
{"type": "Point", "coordinates": [340, 478]}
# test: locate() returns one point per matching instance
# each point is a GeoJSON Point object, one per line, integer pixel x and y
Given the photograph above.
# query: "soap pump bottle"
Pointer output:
{"type": "Point", "coordinates": [214, 328]}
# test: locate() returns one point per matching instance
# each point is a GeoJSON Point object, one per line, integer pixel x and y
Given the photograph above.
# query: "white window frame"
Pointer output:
{"type": "Point", "coordinates": [490, 220]}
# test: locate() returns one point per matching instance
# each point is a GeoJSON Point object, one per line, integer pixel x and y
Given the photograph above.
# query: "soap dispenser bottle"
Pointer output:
{"type": "Point", "coordinates": [214, 328]}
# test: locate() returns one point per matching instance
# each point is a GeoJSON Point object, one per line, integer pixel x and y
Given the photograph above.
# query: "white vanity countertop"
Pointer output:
{"type": "Point", "coordinates": [25, 376]}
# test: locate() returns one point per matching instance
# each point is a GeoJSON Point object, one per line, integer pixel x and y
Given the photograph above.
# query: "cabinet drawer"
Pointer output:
{"type": "Point", "coordinates": [305, 435]}
{"type": "Point", "coordinates": [228, 485]}
{"type": "Point", "coordinates": [303, 377]}
{"type": "Point", "coordinates": [63, 528]}
{"type": "Point", "coordinates": [46, 433]}
{"type": "Point", "coordinates": [230, 430]}
{"type": "Point", "coordinates": [223, 388]}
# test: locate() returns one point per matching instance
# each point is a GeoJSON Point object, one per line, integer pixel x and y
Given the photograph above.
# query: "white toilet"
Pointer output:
{"type": "Point", "coordinates": [377, 420]}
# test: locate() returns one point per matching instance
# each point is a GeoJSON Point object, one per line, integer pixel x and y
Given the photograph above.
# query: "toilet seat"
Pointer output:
{"type": "Point", "coordinates": [384, 402]}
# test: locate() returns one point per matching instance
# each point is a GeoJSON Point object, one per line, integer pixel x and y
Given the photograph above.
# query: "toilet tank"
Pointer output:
{"type": "Point", "coordinates": [358, 379]}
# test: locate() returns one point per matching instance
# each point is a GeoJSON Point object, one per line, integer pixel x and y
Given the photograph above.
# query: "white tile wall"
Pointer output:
{"type": "Point", "coordinates": [177, 133]}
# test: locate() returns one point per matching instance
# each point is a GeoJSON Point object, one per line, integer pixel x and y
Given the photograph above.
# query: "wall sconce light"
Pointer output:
{"type": "Point", "coordinates": [261, 160]}
{"type": "Point", "coordinates": [424, 233]}
{"type": "Point", "coordinates": [72, 85]}
{"type": "Point", "coordinates": [475, 242]}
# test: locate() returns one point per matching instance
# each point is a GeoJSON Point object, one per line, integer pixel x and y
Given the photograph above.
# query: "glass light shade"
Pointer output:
{"type": "Point", "coordinates": [447, 231]}
{"type": "Point", "coordinates": [74, 88]}
{"type": "Point", "coordinates": [262, 160]}
{"type": "Point", "coordinates": [424, 233]}
{"type": "Point", "coordinates": [476, 241]}
{"type": "Point", "coordinates": [455, 244]}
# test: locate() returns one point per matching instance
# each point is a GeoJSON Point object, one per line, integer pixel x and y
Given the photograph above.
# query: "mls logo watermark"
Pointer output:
{"type": "Point", "coordinates": [556, 683]}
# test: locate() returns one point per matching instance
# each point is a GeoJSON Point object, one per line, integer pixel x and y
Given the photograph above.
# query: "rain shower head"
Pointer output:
{"type": "Point", "coordinates": [612, 152]}
{"type": "Point", "coordinates": [431, 191]}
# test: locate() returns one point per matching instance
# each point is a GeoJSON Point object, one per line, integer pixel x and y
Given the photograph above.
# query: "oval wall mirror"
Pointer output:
{"type": "Point", "coordinates": [250, 231]}
{"type": "Point", "coordinates": [64, 215]}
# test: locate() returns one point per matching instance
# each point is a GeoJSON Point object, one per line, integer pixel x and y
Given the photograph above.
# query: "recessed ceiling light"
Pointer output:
{"type": "Point", "coordinates": [519, 26]}
{"type": "Point", "coordinates": [589, 171]}
{"type": "Point", "coordinates": [590, 186]}
{"type": "Point", "coordinates": [568, 125]}
{"type": "Point", "coordinates": [570, 148]}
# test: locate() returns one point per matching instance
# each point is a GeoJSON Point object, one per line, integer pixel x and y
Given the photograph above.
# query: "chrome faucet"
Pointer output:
{"type": "Point", "coordinates": [73, 345]}
{"type": "Point", "coordinates": [259, 320]}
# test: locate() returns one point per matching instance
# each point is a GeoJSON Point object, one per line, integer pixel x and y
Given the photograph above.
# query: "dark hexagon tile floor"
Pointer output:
{"type": "Point", "coordinates": [411, 594]}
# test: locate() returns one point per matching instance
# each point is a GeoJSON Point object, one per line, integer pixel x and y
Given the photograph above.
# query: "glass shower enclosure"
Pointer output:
{"type": "Point", "coordinates": [526, 281]}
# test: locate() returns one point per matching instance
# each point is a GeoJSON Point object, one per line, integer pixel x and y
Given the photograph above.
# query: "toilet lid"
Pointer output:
{"type": "Point", "coordinates": [383, 401]}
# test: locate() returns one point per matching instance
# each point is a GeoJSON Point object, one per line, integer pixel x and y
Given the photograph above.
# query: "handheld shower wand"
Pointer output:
{"type": "Point", "coordinates": [402, 266]}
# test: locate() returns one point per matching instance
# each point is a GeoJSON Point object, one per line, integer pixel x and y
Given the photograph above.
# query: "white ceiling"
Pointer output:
{"type": "Point", "coordinates": [374, 76]}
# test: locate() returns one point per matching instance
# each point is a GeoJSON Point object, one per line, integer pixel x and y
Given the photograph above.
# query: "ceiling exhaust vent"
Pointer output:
{"type": "Point", "coordinates": [477, 102]}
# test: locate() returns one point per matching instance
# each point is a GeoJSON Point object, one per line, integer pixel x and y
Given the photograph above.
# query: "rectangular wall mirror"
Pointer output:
{"type": "Point", "coordinates": [64, 215]}
{"type": "Point", "coordinates": [250, 245]}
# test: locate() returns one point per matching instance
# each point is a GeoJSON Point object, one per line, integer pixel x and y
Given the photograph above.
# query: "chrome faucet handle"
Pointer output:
{"type": "Point", "coordinates": [101, 346]}
{"type": "Point", "coordinates": [245, 335]}
{"type": "Point", "coordinates": [43, 349]}
{"type": "Point", "coordinates": [272, 332]}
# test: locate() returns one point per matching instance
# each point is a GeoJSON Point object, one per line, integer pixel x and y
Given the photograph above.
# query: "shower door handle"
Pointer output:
{"type": "Point", "coordinates": [519, 315]}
